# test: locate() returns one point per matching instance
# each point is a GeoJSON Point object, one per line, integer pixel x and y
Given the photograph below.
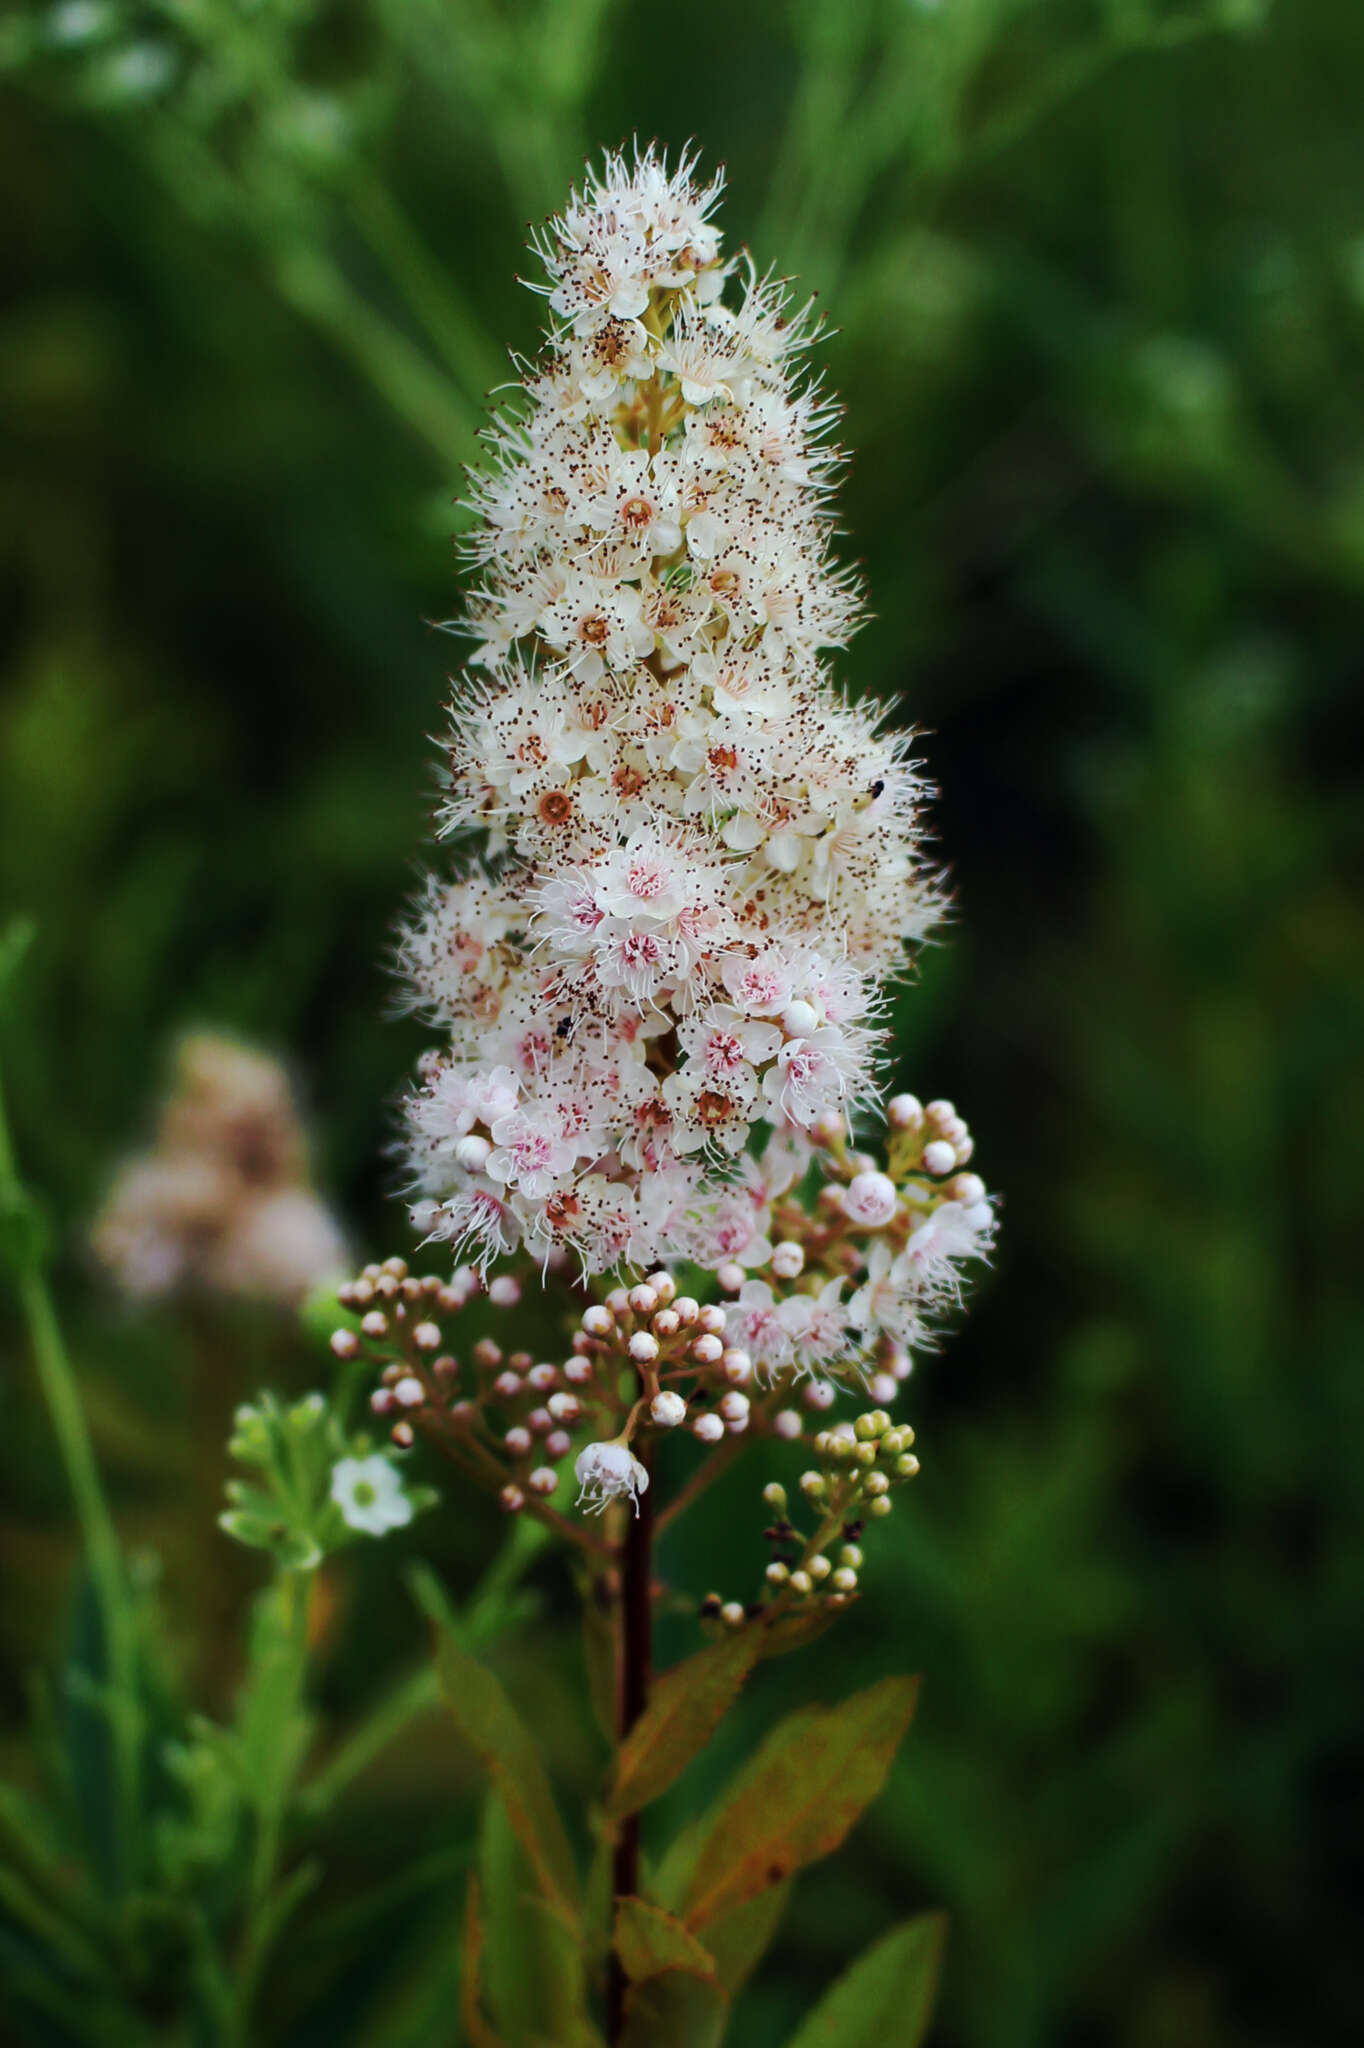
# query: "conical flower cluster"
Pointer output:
{"type": "Point", "coordinates": [696, 864]}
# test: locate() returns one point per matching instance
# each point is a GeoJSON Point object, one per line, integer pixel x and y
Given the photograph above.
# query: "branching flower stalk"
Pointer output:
{"type": "Point", "coordinates": [686, 870]}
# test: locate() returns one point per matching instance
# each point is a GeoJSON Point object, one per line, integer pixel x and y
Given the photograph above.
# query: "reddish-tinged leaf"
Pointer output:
{"type": "Point", "coordinates": [796, 1801]}
{"type": "Point", "coordinates": [477, 2032]}
{"type": "Point", "coordinates": [649, 1941]}
{"type": "Point", "coordinates": [532, 1967]}
{"type": "Point", "coordinates": [793, 1628]}
{"type": "Point", "coordinates": [685, 1708]}
{"type": "Point", "coordinates": [675, 2010]}
{"type": "Point", "coordinates": [739, 1940]}
{"type": "Point", "coordinates": [495, 1732]}
{"type": "Point", "coordinates": [886, 1996]}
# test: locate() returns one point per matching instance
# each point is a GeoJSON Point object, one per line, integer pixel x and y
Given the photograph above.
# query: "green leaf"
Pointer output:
{"type": "Point", "coordinates": [676, 2009]}
{"type": "Point", "coordinates": [533, 1973]}
{"type": "Point", "coordinates": [687, 1706]}
{"type": "Point", "coordinates": [599, 1653]}
{"type": "Point", "coordinates": [798, 1798]}
{"type": "Point", "coordinates": [649, 1941]}
{"type": "Point", "coordinates": [887, 1995]}
{"type": "Point", "coordinates": [477, 2032]}
{"type": "Point", "coordinates": [738, 1940]}
{"type": "Point", "coordinates": [497, 1735]}
{"type": "Point", "coordinates": [794, 1628]}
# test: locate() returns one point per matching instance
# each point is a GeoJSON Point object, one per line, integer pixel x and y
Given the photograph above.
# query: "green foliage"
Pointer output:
{"type": "Point", "coordinates": [490, 1725]}
{"type": "Point", "coordinates": [532, 1965]}
{"type": "Point", "coordinates": [675, 2009]}
{"type": "Point", "coordinates": [887, 1995]}
{"type": "Point", "coordinates": [684, 1710]}
{"type": "Point", "coordinates": [649, 1941]}
{"type": "Point", "coordinates": [812, 1778]}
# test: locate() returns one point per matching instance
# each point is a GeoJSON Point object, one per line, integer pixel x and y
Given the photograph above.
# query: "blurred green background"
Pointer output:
{"type": "Point", "coordinates": [1097, 273]}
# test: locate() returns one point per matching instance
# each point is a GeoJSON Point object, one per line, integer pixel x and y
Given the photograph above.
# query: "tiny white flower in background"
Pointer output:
{"type": "Point", "coordinates": [609, 1471]}
{"type": "Point", "coordinates": [369, 1493]}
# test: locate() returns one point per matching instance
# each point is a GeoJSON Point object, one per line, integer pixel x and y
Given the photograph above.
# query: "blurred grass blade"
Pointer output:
{"type": "Point", "coordinates": [532, 1964]}
{"type": "Point", "coordinates": [495, 1732]}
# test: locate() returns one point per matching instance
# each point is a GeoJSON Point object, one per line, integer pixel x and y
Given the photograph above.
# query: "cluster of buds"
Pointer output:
{"type": "Point", "coordinates": [857, 1465]}
{"type": "Point", "coordinates": [644, 1360]}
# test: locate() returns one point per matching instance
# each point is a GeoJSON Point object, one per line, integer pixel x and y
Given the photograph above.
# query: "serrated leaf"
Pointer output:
{"type": "Point", "coordinates": [887, 1994]}
{"type": "Point", "coordinates": [686, 1707]}
{"type": "Point", "coordinates": [738, 1940]}
{"type": "Point", "coordinates": [532, 1965]}
{"type": "Point", "coordinates": [499, 1738]}
{"type": "Point", "coordinates": [649, 1941]}
{"type": "Point", "coordinates": [798, 1798]}
{"type": "Point", "coordinates": [676, 2009]}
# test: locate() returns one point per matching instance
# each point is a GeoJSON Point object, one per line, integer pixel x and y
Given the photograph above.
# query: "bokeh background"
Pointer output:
{"type": "Point", "coordinates": [1097, 273]}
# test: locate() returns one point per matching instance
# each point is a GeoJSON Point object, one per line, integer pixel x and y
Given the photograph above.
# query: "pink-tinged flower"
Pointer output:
{"type": "Point", "coordinates": [702, 861]}
{"type": "Point", "coordinates": [755, 1324]}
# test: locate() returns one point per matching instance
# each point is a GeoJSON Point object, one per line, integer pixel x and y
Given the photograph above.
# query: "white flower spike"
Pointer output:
{"type": "Point", "coordinates": [705, 863]}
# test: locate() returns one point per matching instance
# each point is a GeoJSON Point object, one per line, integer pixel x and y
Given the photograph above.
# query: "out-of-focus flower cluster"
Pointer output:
{"type": "Point", "coordinates": [698, 863]}
{"type": "Point", "coordinates": [223, 1200]}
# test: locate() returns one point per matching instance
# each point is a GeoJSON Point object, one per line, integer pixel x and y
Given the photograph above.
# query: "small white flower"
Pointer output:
{"type": "Point", "coordinates": [668, 1410]}
{"type": "Point", "coordinates": [369, 1493]}
{"type": "Point", "coordinates": [609, 1471]}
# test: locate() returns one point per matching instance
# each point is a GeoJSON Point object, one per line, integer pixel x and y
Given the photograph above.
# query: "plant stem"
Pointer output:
{"type": "Point", "coordinates": [98, 1536]}
{"type": "Point", "coordinates": [636, 1670]}
{"type": "Point", "coordinates": [295, 1592]}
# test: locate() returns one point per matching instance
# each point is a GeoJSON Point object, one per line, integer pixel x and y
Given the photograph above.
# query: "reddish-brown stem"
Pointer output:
{"type": "Point", "coordinates": [636, 1669]}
